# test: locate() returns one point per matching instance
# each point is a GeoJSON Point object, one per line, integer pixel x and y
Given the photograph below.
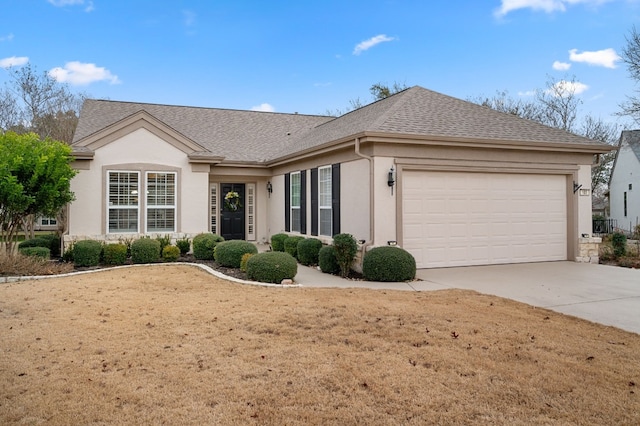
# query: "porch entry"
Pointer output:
{"type": "Point", "coordinates": [232, 212]}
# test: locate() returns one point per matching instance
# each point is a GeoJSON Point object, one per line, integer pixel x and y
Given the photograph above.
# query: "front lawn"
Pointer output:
{"type": "Point", "coordinates": [171, 344]}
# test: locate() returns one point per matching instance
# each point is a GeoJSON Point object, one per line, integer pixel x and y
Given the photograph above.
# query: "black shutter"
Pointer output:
{"type": "Point", "coordinates": [335, 197]}
{"type": "Point", "coordinates": [303, 201]}
{"type": "Point", "coordinates": [314, 201]}
{"type": "Point", "coordinates": [287, 202]}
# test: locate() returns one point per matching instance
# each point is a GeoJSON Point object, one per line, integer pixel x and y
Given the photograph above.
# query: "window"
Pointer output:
{"type": "Point", "coordinates": [295, 201]}
{"type": "Point", "coordinates": [48, 221]}
{"type": "Point", "coordinates": [625, 204]}
{"type": "Point", "coordinates": [325, 200]}
{"type": "Point", "coordinates": [122, 200]}
{"type": "Point", "coordinates": [161, 202]}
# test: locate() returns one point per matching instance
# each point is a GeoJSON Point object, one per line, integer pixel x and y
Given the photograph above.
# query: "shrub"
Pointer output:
{"type": "Point", "coordinates": [291, 245]}
{"type": "Point", "coordinates": [145, 250]}
{"type": "Point", "coordinates": [87, 253]}
{"type": "Point", "coordinates": [327, 260]}
{"type": "Point", "coordinates": [277, 242]}
{"type": "Point", "coordinates": [229, 253]}
{"type": "Point", "coordinates": [114, 254]}
{"type": "Point", "coordinates": [127, 242]}
{"type": "Point", "coordinates": [619, 244]}
{"type": "Point", "coordinates": [308, 251]}
{"type": "Point", "coordinates": [42, 252]}
{"type": "Point", "coordinates": [244, 260]}
{"type": "Point", "coordinates": [346, 249]}
{"type": "Point", "coordinates": [50, 241]}
{"type": "Point", "coordinates": [34, 242]}
{"type": "Point", "coordinates": [164, 240]}
{"type": "Point", "coordinates": [184, 245]}
{"type": "Point", "coordinates": [203, 245]}
{"type": "Point", "coordinates": [390, 264]}
{"type": "Point", "coordinates": [271, 267]}
{"type": "Point", "coordinates": [170, 253]}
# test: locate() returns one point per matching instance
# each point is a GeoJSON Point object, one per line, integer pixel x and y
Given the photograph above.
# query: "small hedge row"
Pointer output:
{"type": "Point", "coordinates": [204, 244]}
{"type": "Point", "coordinates": [305, 250]}
{"type": "Point", "coordinates": [145, 250]}
{"type": "Point", "coordinates": [48, 241]}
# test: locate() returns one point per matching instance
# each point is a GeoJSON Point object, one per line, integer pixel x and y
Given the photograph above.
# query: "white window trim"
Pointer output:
{"type": "Point", "coordinates": [322, 207]}
{"type": "Point", "coordinates": [173, 207]}
{"type": "Point", "coordinates": [250, 206]}
{"type": "Point", "coordinates": [213, 208]}
{"type": "Point", "coordinates": [127, 207]}
{"type": "Point", "coordinates": [291, 206]}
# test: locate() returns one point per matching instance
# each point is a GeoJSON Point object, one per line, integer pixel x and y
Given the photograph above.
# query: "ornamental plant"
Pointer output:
{"type": "Point", "coordinates": [389, 264]}
{"type": "Point", "coordinates": [308, 251]}
{"type": "Point", "coordinates": [346, 248]}
{"type": "Point", "coordinates": [277, 241]}
{"type": "Point", "coordinates": [229, 253]}
{"type": "Point", "coordinates": [271, 267]}
{"type": "Point", "coordinates": [204, 244]}
{"type": "Point", "coordinates": [145, 250]}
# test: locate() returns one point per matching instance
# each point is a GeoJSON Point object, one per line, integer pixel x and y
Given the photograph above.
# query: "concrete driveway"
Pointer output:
{"type": "Point", "coordinates": [605, 294]}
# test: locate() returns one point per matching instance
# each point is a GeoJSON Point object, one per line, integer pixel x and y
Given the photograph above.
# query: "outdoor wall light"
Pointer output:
{"type": "Point", "coordinates": [391, 179]}
{"type": "Point", "coordinates": [392, 243]}
{"type": "Point", "coordinates": [269, 188]}
{"type": "Point", "coordinates": [576, 186]}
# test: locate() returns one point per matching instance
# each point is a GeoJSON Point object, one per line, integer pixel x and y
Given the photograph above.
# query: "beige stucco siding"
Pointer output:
{"type": "Point", "coordinates": [138, 151]}
{"type": "Point", "coordinates": [275, 207]}
{"type": "Point", "coordinates": [355, 199]}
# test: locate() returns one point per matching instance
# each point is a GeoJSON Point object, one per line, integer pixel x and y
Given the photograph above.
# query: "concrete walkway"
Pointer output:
{"type": "Point", "coordinates": [605, 294]}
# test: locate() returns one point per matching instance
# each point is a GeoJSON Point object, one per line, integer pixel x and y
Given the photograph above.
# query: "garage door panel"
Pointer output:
{"type": "Point", "coordinates": [483, 218]}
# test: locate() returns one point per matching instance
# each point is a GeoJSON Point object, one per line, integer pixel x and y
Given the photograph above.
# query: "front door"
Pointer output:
{"type": "Point", "coordinates": [232, 200]}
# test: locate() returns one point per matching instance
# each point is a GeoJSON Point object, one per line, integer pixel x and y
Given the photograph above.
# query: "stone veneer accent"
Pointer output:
{"type": "Point", "coordinates": [589, 250]}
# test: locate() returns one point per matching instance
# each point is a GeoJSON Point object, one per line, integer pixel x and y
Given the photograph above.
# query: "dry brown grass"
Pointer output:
{"type": "Point", "coordinates": [173, 345]}
{"type": "Point", "coordinates": [19, 265]}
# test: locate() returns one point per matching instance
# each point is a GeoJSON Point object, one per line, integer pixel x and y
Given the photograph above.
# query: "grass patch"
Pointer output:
{"type": "Point", "coordinates": [171, 344]}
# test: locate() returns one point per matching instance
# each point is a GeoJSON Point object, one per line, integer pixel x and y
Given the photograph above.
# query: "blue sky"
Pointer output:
{"type": "Point", "coordinates": [314, 56]}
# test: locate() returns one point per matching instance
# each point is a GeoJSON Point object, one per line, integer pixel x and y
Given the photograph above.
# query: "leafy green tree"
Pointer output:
{"type": "Point", "coordinates": [35, 179]}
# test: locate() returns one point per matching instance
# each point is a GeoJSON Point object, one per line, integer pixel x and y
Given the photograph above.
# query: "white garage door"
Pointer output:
{"type": "Point", "coordinates": [460, 219]}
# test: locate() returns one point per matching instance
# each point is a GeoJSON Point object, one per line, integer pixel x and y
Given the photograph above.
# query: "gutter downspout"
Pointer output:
{"type": "Point", "coordinates": [371, 195]}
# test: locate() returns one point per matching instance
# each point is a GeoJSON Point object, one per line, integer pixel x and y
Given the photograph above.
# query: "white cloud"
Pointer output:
{"type": "Point", "coordinates": [527, 93]}
{"type": "Point", "coordinates": [563, 87]}
{"type": "Point", "coordinates": [547, 6]}
{"type": "Point", "coordinates": [605, 58]}
{"type": "Point", "coordinates": [13, 61]}
{"type": "Point", "coordinates": [263, 107]}
{"type": "Point", "coordinates": [79, 73]}
{"type": "Point", "coordinates": [368, 44]}
{"type": "Point", "coordinates": [8, 37]}
{"type": "Point", "coordinates": [62, 3]}
{"type": "Point", "coordinates": [561, 66]}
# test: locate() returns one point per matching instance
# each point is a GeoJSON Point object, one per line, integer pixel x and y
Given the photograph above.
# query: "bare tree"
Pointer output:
{"type": "Point", "coordinates": [502, 102]}
{"type": "Point", "coordinates": [631, 56]}
{"type": "Point", "coordinates": [378, 91]}
{"type": "Point", "coordinates": [596, 129]}
{"type": "Point", "coordinates": [559, 104]}
{"type": "Point", "coordinates": [38, 103]}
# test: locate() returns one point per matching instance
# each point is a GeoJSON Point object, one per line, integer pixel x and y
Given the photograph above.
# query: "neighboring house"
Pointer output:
{"type": "Point", "coordinates": [624, 186]}
{"type": "Point", "coordinates": [452, 182]}
{"type": "Point", "coordinates": [46, 224]}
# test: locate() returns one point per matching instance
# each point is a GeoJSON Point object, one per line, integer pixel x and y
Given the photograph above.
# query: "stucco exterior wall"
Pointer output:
{"type": "Point", "coordinates": [139, 150]}
{"type": "Point", "coordinates": [627, 171]}
{"type": "Point", "coordinates": [275, 207]}
{"type": "Point", "coordinates": [355, 199]}
{"type": "Point", "coordinates": [384, 202]}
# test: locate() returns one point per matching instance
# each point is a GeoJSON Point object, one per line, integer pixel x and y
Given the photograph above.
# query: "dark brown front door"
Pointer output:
{"type": "Point", "coordinates": [232, 201]}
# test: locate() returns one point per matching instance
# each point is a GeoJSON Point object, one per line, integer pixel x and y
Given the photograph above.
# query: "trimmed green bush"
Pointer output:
{"type": "Point", "coordinates": [244, 260]}
{"type": "Point", "coordinates": [229, 253]}
{"type": "Point", "coordinates": [50, 241]}
{"type": "Point", "coordinates": [271, 267]}
{"type": "Point", "coordinates": [327, 260]}
{"type": "Point", "coordinates": [389, 264]}
{"type": "Point", "coordinates": [170, 253]}
{"type": "Point", "coordinates": [34, 242]}
{"type": "Point", "coordinates": [114, 254]}
{"type": "Point", "coordinates": [291, 245]}
{"type": "Point", "coordinates": [203, 245]}
{"type": "Point", "coordinates": [145, 250]}
{"type": "Point", "coordinates": [619, 244]}
{"type": "Point", "coordinates": [308, 251]}
{"type": "Point", "coordinates": [42, 252]}
{"type": "Point", "coordinates": [164, 240]}
{"type": "Point", "coordinates": [87, 253]}
{"type": "Point", "coordinates": [184, 245]}
{"type": "Point", "coordinates": [277, 242]}
{"type": "Point", "coordinates": [346, 249]}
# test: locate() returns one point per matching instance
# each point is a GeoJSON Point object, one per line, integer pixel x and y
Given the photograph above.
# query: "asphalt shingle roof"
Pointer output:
{"type": "Point", "coordinates": [261, 136]}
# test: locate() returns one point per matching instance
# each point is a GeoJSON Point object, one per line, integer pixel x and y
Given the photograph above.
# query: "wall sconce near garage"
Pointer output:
{"type": "Point", "coordinates": [391, 179]}
{"type": "Point", "coordinates": [576, 186]}
{"type": "Point", "coordinates": [269, 188]}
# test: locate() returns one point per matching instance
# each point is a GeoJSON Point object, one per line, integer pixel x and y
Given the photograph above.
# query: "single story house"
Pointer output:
{"type": "Point", "coordinates": [452, 182]}
{"type": "Point", "coordinates": [624, 185]}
